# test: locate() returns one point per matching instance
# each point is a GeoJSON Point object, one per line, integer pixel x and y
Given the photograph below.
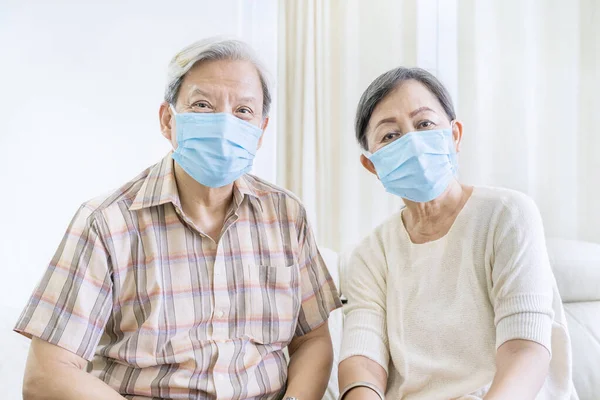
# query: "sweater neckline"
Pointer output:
{"type": "Point", "coordinates": [456, 221]}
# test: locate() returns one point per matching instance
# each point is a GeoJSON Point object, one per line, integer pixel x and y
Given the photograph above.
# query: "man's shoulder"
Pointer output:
{"type": "Point", "coordinates": [267, 191]}
{"type": "Point", "coordinates": [117, 198]}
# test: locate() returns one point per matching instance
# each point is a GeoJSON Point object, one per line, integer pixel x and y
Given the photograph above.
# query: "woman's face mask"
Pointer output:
{"type": "Point", "coordinates": [418, 166]}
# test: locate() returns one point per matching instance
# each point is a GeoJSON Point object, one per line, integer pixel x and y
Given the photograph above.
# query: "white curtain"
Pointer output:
{"type": "Point", "coordinates": [329, 52]}
{"type": "Point", "coordinates": [524, 74]}
{"type": "Point", "coordinates": [528, 85]}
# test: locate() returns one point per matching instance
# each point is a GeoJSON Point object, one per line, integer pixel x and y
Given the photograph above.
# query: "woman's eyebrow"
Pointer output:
{"type": "Point", "coordinates": [385, 121]}
{"type": "Point", "coordinates": [420, 110]}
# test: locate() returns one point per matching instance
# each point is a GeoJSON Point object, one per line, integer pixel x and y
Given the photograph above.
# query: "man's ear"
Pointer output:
{"type": "Point", "coordinates": [165, 116]}
{"type": "Point", "coordinates": [367, 164]}
{"type": "Point", "coordinates": [457, 133]}
{"type": "Point", "coordinates": [264, 125]}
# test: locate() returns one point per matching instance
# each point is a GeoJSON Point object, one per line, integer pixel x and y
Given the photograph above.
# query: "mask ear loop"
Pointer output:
{"type": "Point", "coordinates": [172, 109]}
{"type": "Point", "coordinates": [453, 155]}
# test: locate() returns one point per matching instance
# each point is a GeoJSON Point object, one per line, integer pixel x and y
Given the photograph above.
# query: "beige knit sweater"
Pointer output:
{"type": "Point", "coordinates": [434, 314]}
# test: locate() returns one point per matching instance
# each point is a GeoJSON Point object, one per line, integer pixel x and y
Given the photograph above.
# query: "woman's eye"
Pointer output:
{"type": "Point", "coordinates": [425, 124]}
{"type": "Point", "coordinates": [390, 136]}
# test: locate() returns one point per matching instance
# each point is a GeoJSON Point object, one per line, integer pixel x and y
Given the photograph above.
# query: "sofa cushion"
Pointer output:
{"type": "Point", "coordinates": [583, 319]}
{"type": "Point", "coordinates": [336, 323]}
{"type": "Point", "coordinates": [576, 266]}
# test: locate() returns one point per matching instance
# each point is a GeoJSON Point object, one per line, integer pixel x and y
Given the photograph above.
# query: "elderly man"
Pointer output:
{"type": "Point", "coordinates": [190, 280]}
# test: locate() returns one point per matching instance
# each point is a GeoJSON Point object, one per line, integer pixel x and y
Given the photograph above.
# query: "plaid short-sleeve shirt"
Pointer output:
{"type": "Point", "coordinates": [162, 311]}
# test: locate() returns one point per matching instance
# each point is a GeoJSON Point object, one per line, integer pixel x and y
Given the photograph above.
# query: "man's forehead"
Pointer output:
{"type": "Point", "coordinates": [241, 92]}
{"type": "Point", "coordinates": [225, 71]}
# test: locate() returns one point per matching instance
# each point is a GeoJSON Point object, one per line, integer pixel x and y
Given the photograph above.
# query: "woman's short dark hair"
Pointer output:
{"type": "Point", "coordinates": [387, 82]}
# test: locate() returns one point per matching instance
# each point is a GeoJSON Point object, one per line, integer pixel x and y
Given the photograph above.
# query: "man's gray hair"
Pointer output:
{"type": "Point", "coordinates": [387, 82]}
{"type": "Point", "coordinates": [214, 48]}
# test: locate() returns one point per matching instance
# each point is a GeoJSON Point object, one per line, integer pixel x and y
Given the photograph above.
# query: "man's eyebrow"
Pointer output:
{"type": "Point", "coordinates": [243, 99]}
{"type": "Point", "coordinates": [199, 91]}
{"type": "Point", "coordinates": [248, 99]}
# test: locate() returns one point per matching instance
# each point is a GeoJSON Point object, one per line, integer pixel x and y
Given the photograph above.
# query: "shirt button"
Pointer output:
{"type": "Point", "coordinates": [220, 313]}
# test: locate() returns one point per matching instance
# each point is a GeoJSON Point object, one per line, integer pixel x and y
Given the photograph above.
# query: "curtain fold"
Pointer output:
{"type": "Point", "coordinates": [528, 79]}
{"type": "Point", "coordinates": [525, 71]}
{"type": "Point", "coordinates": [330, 50]}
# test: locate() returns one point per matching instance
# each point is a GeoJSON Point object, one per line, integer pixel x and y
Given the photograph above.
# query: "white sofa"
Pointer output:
{"type": "Point", "coordinates": [576, 266]}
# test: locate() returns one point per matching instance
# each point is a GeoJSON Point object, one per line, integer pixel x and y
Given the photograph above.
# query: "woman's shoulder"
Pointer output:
{"type": "Point", "coordinates": [375, 241]}
{"type": "Point", "coordinates": [499, 197]}
{"type": "Point", "coordinates": [392, 228]}
{"type": "Point", "coordinates": [504, 203]}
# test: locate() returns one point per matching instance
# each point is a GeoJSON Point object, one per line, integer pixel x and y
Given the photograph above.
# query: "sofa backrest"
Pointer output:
{"type": "Point", "coordinates": [576, 266]}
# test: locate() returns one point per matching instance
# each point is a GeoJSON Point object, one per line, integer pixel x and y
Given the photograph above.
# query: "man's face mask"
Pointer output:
{"type": "Point", "coordinates": [215, 148]}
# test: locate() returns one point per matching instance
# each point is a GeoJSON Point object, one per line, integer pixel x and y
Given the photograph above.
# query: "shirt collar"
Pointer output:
{"type": "Point", "coordinates": [244, 186]}
{"type": "Point", "coordinates": [160, 187]}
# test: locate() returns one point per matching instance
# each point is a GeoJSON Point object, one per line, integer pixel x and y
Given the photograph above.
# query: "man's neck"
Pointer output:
{"type": "Point", "coordinates": [205, 206]}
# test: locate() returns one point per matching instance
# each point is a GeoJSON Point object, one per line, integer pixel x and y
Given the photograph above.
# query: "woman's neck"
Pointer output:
{"type": "Point", "coordinates": [432, 220]}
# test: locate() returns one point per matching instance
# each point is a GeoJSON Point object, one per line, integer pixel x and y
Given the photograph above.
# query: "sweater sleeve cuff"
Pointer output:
{"type": "Point", "coordinates": [533, 326]}
{"type": "Point", "coordinates": [365, 335]}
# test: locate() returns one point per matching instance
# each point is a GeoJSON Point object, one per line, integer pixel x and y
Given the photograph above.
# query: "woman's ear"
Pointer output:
{"type": "Point", "coordinates": [367, 164]}
{"type": "Point", "coordinates": [457, 133]}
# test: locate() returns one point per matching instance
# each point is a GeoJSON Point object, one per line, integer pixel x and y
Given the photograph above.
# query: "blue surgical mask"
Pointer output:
{"type": "Point", "coordinates": [419, 166]}
{"type": "Point", "coordinates": [215, 149]}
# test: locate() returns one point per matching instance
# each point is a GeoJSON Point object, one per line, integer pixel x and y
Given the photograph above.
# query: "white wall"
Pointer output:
{"type": "Point", "coordinates": [80, 87]}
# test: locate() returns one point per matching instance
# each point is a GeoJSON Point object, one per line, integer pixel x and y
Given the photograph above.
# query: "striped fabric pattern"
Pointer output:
{"type": "Point", "coordinates": [163, 312]}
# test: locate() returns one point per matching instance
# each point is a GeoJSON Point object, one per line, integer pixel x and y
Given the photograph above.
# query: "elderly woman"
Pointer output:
{"type": "Point", "coordinates": [453, 297]}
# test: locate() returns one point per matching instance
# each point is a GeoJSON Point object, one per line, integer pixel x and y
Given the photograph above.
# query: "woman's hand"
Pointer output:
{"type": "Point", "coordinates": [361, 369]}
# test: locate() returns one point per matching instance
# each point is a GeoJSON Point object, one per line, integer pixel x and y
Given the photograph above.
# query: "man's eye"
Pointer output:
{"type": "Point", "coordinates": [201, 104]}
{"type": "Point", "coordinates": [244, 110]}
{"type": "Point", "coordinates": [425, 124]}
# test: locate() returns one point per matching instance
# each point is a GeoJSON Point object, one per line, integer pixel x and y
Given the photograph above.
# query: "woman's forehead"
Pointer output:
{"type": "Point", "coordinates": [406, 98]}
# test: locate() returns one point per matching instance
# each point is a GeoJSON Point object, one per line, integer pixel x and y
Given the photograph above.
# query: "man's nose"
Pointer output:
{"type": "Point", "coordinates": [224, 108]}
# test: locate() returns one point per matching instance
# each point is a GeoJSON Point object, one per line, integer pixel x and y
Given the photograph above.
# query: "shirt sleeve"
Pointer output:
{"type": "Point", "coordinates": [71, 304]}
{"type": "Point", "coordinates": [318, 291]}
{"type": "Point", "coordinates": [522, 280]}
{"type": "Point", "coordinates": [365, 325]}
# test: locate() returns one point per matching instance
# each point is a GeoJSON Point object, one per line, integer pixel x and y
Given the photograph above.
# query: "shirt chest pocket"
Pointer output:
{"type": "Point", "coordinates": [273, 302]}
